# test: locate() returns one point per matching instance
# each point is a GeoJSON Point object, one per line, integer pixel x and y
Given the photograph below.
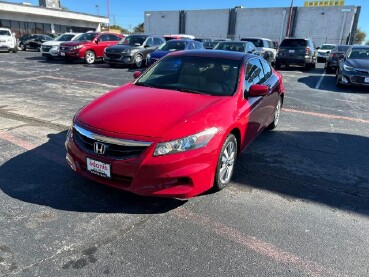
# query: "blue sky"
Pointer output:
{"type": "Point", "coordinates": [130, 13]}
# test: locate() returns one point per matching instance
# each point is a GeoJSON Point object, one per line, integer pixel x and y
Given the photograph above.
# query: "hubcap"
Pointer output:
{"type": "Point", "coordinates": [138, 60]}
{"type": "Point", "coordinates": [227, 160]}
{"type": "Point", "coordinates": [277, 113]}
{"type": "Point", "coordinates": [90, 57]}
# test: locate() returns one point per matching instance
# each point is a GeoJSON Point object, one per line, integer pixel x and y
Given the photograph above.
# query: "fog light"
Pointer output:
{"type": "Point", "coordinates": [344, 80]}
{"type": "Point", "coordinates": [71, 162]}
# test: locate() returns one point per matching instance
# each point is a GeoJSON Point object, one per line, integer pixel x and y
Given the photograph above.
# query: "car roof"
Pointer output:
{"type": "Point", "coordinates": [181, 40]}
{"type": "Point", "coordinates": [213, 54]}
{"type": "Point", "coordinates": [256, 38]}
{"type": "Point", "coordinates": [360, 46]}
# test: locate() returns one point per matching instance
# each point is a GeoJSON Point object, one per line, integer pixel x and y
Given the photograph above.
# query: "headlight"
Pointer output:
{"type": "Point", "coordinates": [348, 68]}
{"type": "Point", "coordinates": [148, 56]}
{"type": "Point", "coordinates": [76, 47]}
{"type": "Point", "coordinates": [187, 143]}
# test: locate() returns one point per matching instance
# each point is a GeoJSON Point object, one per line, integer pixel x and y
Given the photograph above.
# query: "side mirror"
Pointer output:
{"type": "Point", "coordinates": [147, 46]}
{"type": "Point", "coordinates": [137, 74]}
{"type": "Point", "coordinates": [97, 41]}
{"type": "Point", "coordinates": [258, 90]}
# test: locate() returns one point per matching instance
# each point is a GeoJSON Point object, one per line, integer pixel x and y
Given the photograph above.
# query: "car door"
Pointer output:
{"type": "Point", "coordinates": [254, 74]}
{"type": "Point", "coordinates": [149, 46]}
{"type": "Point", "coordinates": [271, 99]}
{"type": "Point", "coordinates": [102, 43]}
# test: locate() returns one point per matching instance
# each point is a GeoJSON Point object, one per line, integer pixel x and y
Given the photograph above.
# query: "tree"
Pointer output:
{"type": "Point", "coordinates": [139, 28]}
{"type": "Point", "coordinates": [360, 36]}
{"type": "Point", "coordinates": [122, 30]}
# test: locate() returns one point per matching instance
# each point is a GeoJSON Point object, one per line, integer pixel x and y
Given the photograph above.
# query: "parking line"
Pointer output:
{"type": "Point", "coordinates": [353, 119]}
{"type": "Point", "coordinates": [320, 81]}
{"type": "Point", "coordinates": [252, 243]}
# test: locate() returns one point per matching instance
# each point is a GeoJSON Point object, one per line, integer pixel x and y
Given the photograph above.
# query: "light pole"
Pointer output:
{"type": "Point", "coordinates": [108, 10]}
{"type": "Point", "coordinates": [148, 15]}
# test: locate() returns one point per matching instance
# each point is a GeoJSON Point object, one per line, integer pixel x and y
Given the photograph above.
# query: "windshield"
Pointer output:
{"type": "Point", "coordinates": [202, 75]}
{"type": "Point", "coordinates": [342, 48]}
{"type": "Point", "coordinates": [86, 37]}
{"type": "Point", "coordinates": [4, 33]}
{"type": "Point", "coordinates": [133, 40]}
{"type": "Point", "coordinates": [173, 46]}
{"type": "Point", "coordinates": [238, 47]}
{"type": "Point", "coordinates": [255, 41]}
{"type": "Point", "coordinates": [65, 37]}
{"type": "Point", "coordinates": [327, 47]}
{"type": "Point", "coordinates": [359, 54]}
{"type": "Point", "coordinates": [294, 43]}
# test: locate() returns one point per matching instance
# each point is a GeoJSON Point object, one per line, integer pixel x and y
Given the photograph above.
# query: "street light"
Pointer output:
{"type": "Point", "coordinates": [148, 21]}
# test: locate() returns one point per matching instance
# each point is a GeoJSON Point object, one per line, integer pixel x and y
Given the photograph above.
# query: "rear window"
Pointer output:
{"type": "Point", "coordinates": [255, 41]}
{"type": "Point", "coordinates": [342, 48]}
{"type": "Point", "coordinates": [294, 43]}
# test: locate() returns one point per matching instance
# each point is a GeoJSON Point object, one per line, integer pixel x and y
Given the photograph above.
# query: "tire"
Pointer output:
{"type": "Point", "coordinates": [112, 65]}
{"type": "Point", "coordinates": [277, 113]}
{"type": "Point", "coordinates": [22, 47]}
{"type": "Point", "coordinates": [307, 66]}
{"type": "Point", "coordinates": [138, 61]}
{"type": "Point", "coordinates": [90, 57]}
{"type": "Point", "coordinates": [313, 65]}
{"type": "Point", "coordinates": [277, 65]}
{"type": "Point", "coordinates": [49, 58]}
{"type": "Point", "coordinates": [226, 162]}
{"type": "Point", "coordinates": [338, 84]}
{"type": "Point", "coordinates": [15, 49]}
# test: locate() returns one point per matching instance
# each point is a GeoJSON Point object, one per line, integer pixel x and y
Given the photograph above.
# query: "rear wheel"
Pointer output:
{"type": "Point", "coordinates": [226, 161]}
{"type": "Point", "coordinates": [15, 49]}
{"type": "Point", "coordinates": [277, 113]}
{"type": "Point", "coordinates": [90, 57]}
{"type": "Point", "coordinates": [22, 47]}
{"type": "Point", "coordinates": [307, 66]}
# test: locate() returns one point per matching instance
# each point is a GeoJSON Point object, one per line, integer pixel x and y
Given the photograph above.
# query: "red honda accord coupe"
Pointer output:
{"type": "Point", "coordinates": [176, 130]}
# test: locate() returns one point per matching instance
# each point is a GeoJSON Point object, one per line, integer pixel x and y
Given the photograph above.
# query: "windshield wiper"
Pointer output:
{"type": "Point", "coordinates": [191, 91]}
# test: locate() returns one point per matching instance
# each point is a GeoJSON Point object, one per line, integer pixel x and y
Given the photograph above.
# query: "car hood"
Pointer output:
{"type": "Point", "coordinates": [75, 43]}
{"type": "Point", "coordinates": [358, 63]}
{"type": "Point", "coordinates": [121, 48]}
{"type": "Point", "coordinates": [150, 112]}
{"type": "Point", "coordinates": [157, 54]}
{"type": "Point", "coordinates": [52, 43]}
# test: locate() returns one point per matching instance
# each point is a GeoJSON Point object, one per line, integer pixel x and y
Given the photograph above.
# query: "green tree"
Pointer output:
{"type": "Point", "coordinates": [122, 30]}
{"type": "Point", "coordinates": [139, 28]}
{"type": "Point", "coordinates": [360, 36]}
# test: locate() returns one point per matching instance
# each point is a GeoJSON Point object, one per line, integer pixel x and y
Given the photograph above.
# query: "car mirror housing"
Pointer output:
{"type": "Point", "coordinates": [97, 41]}
{"type": "Point", "coordinates": [258, 90]}
{"type": "Point", "coordinates": [137, 74]}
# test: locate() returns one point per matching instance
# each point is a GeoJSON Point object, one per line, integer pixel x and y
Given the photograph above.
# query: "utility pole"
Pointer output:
{"type": "Point", "coordinates": [288, 33]}
{"type": "Point", "coordinates": [108, 8]}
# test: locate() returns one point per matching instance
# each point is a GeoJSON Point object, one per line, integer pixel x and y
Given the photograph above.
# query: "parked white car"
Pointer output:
{"type": "Point", "coordinates": [50, 49]}
{"type": "Point", "coordinates": [8, 42]}
{"type": "Point", "coordinates": [323, 51]}
{"type": "Point", "coordinates": [264, 47]}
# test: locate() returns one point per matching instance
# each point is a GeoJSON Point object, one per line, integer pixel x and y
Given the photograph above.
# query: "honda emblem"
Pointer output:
{"type": "Point", "coordinates": [99, 148]}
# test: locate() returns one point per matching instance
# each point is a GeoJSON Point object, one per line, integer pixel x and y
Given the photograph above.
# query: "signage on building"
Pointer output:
{"type": "Point", "coordinates": [326, 3]}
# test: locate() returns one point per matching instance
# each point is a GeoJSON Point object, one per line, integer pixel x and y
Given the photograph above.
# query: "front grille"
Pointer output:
{"type": "Point", "coordinates": [113, 56]}
{"type": "Point", "coordinates": [114, 151]}
{"type": "Point", "coordinates": [46, 48]}
{"type": "Point", "coordinates": [358, 80]}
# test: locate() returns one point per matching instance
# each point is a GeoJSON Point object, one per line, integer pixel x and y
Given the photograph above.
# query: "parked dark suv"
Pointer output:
{"type": "Point", "coordinates": [296, 51]}
{"type": "Point", "coordinates": [132, 50]}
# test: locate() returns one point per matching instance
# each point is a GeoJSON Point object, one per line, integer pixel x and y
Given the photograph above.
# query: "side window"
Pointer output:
{"type": "Point", "coordinates": [270, 44]}
{"type": "Point", "coordinates": [157, 41]}
{"type": "Point", "coordinates": [113, 38]}
{"type": "Point", "coordinates": [104, 37]}
{"type": "Point", "coordinates": [267, 69]}
{"type": "Point", "coordinates": [198, 45]}
{"type": "Point", "coordinates": [250, 47]}
{"type": "Point", "coordinates": [190, 46]}
{"type": "Point", "coordinates": [254, 73]}
{"type": "Point", "coordinates": [149, 42]}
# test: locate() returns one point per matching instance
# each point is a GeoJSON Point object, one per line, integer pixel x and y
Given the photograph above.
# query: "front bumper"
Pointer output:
{"type": "Point", "coordinates": [71, 54]}
{"type": "Point", "coordinates": [4, 47]}
{"type": "Point", "coordinates": [50, 52]}
{"type": "Point", "coordinates": [181, 175]}
{"type": "Point", "coordinates": [118, 58]}
{"type": "Point", "coordinates": [354, 78]}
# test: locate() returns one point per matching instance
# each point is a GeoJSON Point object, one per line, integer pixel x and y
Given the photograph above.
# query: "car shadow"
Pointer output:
{"type": "Point", "coordinates": [41, 176]}
{"type": "Point", "coordinates": [327, 168]}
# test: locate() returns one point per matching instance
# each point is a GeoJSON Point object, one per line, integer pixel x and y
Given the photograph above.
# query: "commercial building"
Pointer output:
{"type": "Point", "coordinates": [49, 17]}
{"type": "Point", "coordinates": [324, 24]}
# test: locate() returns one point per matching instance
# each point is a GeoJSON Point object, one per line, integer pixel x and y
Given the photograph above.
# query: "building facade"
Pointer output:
{"type": "Point", "coordinates": [26, 19]}
{"type": "Point", "coordinates": [329, 24]}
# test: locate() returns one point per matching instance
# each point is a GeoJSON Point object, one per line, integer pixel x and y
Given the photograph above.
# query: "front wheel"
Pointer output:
{"type": "Point", "coordinates": [226, 161]}
{"type": "Point", "coordinates": [15, 49]}
{"type": "Point", "coordinates": [138, 61]}
{"type": "Point", "coordinates": [22, 47]}
{"type": "Point", "coordinates": [90, 57]}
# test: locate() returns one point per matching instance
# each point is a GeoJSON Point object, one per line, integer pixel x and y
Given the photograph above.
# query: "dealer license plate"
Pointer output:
{"type": "Point", "coordinates": [98, 168]}
{"type": "Point", "coordinates": [366, 80]}
{"type": "Point", "coordinates": [62, 53]}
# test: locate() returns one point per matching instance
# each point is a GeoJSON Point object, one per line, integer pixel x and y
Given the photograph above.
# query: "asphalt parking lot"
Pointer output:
{"type": "Point", "coordinates": [297, 204]}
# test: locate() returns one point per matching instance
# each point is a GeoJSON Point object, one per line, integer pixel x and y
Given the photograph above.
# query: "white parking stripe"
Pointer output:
{"type": "Point", "coordinates": [320, 81]}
